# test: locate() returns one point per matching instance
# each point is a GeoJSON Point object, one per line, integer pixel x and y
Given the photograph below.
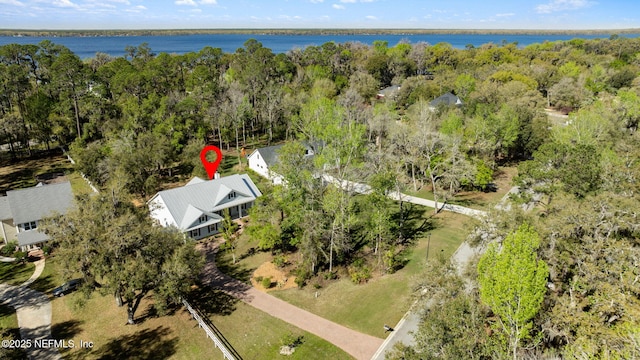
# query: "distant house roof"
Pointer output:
{"type": "Point", "coordinates": [38, 202]}
{"type": "Point", "coordinates": [186, 204]}
{"type": "Point", "coordinates": [269, 154]}
{"type": "Point", "coordinates": [388, 91]}
{"type": "Point", "coordinates": [447, 99]}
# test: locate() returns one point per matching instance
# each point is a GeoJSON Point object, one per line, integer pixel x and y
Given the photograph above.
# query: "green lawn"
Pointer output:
{"type": "Point", "coordinates": [8, 318]}
{"type": "Point", "coordinates": [15, 273]}
{"type": "Point", "coordinates": [256, 335]}
{"type": "Point", "coordinates": [50, 278]}
{"type": "Point", "coordinates": [9, 331]}
{"type": "Point", "coordinates": [78, 184]}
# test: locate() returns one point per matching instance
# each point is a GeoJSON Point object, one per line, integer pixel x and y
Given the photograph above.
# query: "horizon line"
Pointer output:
{"type": "Point", "coordinates": [339, 29]}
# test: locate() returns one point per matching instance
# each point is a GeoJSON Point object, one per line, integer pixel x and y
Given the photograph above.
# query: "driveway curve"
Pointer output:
{"type": "Point", "coordinates": [33, 310]}
{"type": "Point", "coordinates": [360, 346]}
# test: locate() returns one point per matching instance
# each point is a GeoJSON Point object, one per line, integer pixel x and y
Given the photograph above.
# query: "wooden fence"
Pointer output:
{"type": "Point", "coordinates": [213, 333]}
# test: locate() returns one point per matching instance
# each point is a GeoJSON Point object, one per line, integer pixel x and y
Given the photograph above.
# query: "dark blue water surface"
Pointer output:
{"type": "Point", "coordinates": [87, 47]}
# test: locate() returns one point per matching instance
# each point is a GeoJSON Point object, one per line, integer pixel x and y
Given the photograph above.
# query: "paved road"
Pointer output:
{"type": "Point", "coordinates": [365, 189]}
{"type": "Point", "coordinates": [33, 310]}
{"type": "Point", "coordinates": [403, 332]}
{"type": "Point", "coordinates": [411, 321]}
{"type": "Point", "coordinates": [360, 346]}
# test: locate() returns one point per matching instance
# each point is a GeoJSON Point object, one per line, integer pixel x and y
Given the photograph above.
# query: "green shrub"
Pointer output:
{"type": "Point", "coordinates": [280, 260]}
{"type": "Point", "coordinates": [484, 176]}
{"type": "Point", "coordinates": [9, 249]}
{"type": "Point", "coordinates": [266, 282]}
{"type": "Point", "coordinates": [359, 276]}
{"type": "Point", "coordinates": [302, 275]}
{"type": "Point", "coordinates": [330, 275]}
{"type": "Point", "coordinates": [291, 340]}
{"type": "Point", "coordinates": [20, 255]}
{"type": "Point", "coordinates": [393, 261]}
{"type": "Point", "coordinates": [359, 272]}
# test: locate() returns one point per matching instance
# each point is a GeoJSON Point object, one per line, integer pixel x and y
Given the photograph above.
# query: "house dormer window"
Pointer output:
{"type": "Point", "coordinates": [203, 218]}
{"type": "Point", "coordinates": [232, 195]}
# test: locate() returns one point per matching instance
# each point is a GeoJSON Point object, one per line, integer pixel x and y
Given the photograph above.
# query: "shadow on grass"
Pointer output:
{"type": "Point", "coordinates": [206, 302]}
{"type": "Point", "coordinates": [66, 330]}
{"type": "Point", "coordinates": [11, 353]}
{"type": "Point", "coordinates": [152, 311]}
{"type": "Point", "coordinates": [6, 310]}
{"type": "Point", "coordinates": [468, 201]}
{"type": "Point", "coordinates": [228, 162]}
{"type": "Point", "coordinates": [413, 221]}
{"type": "Point", "coordinates": [15, 273]}
{"type": "Point", "coordinates": [225, 265]}
{"type": "Point", "coordinates": [144, 344]}
{"type": "Point", "coordinates": [20, 172]}
{"type": "Point", "coordinates": [213, 301]}
{"type": "Point", "coordinates": [44, 284]}
{"type": "Point", "coordinates": [17, 179]}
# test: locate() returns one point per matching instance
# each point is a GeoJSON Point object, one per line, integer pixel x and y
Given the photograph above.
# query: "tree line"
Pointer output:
{"type": "Point", "coordinates": [146, 114]}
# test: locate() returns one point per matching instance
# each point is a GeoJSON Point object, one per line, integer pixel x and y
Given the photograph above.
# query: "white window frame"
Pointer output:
{"type": "Point", "coordinates": [32, 225]}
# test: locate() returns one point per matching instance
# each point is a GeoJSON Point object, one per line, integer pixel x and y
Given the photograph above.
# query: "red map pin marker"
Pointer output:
{"type": "Point", "coordinates": [210, 167]}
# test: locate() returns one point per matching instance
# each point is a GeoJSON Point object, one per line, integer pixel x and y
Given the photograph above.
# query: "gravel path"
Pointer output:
{"type": "Point", "coordinates": [358, 345]}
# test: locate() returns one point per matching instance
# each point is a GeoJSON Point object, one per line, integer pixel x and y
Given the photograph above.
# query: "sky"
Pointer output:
{"type": "Point", "coordinates": [404, 14]}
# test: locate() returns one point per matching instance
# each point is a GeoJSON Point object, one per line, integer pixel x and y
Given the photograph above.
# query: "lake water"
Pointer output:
{"type": "Point", "coordinates": [87, 47]}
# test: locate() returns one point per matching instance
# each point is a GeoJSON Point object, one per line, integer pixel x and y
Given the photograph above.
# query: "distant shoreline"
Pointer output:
{"type": "Point", "coordinates": [173, 32]}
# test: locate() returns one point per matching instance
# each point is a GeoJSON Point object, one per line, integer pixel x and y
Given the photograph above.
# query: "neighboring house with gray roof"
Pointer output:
{"type": "Point", "coordinates": [262, 160]}
{"type": "Point", "coordinates": [197, 208]}
{"type": "Point", "coordinates": [22, 210]}
{"type": "Point", "coordinates": [448, 99]}
{"type": "Point", "coordinates": [389, 92]}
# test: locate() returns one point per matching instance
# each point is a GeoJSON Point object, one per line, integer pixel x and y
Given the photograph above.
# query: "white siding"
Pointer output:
{"type": "Point", "coordinates": [158, 211]}
{"type": "Point", "coordinates": [257, 164]}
